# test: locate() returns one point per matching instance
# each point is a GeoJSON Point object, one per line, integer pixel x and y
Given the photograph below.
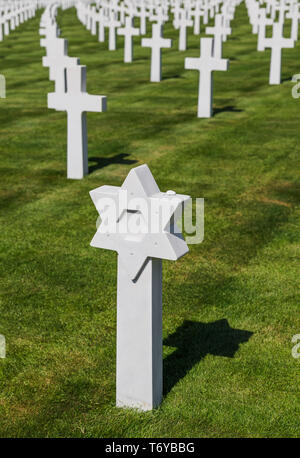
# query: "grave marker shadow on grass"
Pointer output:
{"type": "Point", "coordinates": [194, 340]}
{"type": "Point", "coordinates": [228, 108]}
{"type": "Point", "coordinates": [101, 162]}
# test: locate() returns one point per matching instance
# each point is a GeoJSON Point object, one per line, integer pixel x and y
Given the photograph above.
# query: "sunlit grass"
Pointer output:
{"type": "Point", "coordinates": [230, 305]}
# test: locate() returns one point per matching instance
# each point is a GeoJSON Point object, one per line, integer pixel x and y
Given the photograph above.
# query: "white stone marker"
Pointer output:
{"type": "Point", "coordinates": [6, 27]}
{"type": "Point", "coordinates": [159, 17]}
{"type": "Point", "coordinates": [262, 21]}
{"type": "Point", "coordinates": [219, 31]}
{"type": "Point", "coordinates": [197, 13]}
{"type": "Point", "coordinates": [102, 24]}
{"type": "Point", "coordinates": [76, 102]}
{"type": "Point", "coordinates": [129, 32]}
{"type": "Point", "coordinates": [276, 43]}
{"type": "Point", "coordinates": [112, 25]}
{"type": "Point", "coordinates": [143, 15]}
{"type": "Point", "coordinates": [182, 23]}
{"type": "Point", "coordinates": [50, 34]}
{"type": "Point", "coordinates": [93, 21]}
{"type": "Point", "coordinates": [156, 43]}
{"type": "Point", "coordinates": [57, 60]}
{"type": "Point", "coordinates": [139, 298]}
{"type": "Point", "coordinates": [121, 10]}
{"type": "Point", "coordinates": [206, 64]}
{"type": "Point", "coordinates": [283, 7]}
{"type": "Point", "coordinates": [294, 15]}
{"type": "Point", "coordinates": [1, 26]}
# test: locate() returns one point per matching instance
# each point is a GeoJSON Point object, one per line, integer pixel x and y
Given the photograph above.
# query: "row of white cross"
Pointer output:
{"type": "Point", "coordinates": [70, 78]}
{"type": "Point", "coordinates": [12, 14]}
{"type": "Point", "coordinates": [123, 25]}
{"type": "Point", "coordinates": [211, 49]}
{"type": "Point", "coordinates": [113, 16]}
{"type": "Point", "coordinates": [70, 92]}
{"type": "Point", "coordinates": [260, 18]}
{"type": "Point", "coordinates": [70, 81]}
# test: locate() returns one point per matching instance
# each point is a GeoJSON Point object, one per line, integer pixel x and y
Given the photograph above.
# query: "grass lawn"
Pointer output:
{"type": "Point", "coordinates": [230, 306]}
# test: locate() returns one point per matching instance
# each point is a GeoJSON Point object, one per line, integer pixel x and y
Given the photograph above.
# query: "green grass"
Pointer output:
{"type": "Point", "coordinates": [230, 305]}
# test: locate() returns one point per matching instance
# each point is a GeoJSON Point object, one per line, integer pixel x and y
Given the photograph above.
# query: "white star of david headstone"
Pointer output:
{"type": "Point", "coordinates": [139, 296]}
{"type": "Point", "coordinates": [167, 243]}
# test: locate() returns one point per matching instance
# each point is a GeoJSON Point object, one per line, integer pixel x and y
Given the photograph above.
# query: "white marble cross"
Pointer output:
{"type": "Point", "coordinates": [159, 17]}
{"type": "Point", "coordinates": [262, 21]}
{"type": "Point", "coordinates": [93, 21]}
{"type": "Point", "coordinates": [294, 15]}
{"type": "Point", "coordinates": [6, 25]}
{"type": "Point", "coordinates": [219, 31]}
{"type": "Point", "coordinates": [129, 32]}
{"type": "Point", "coordinates": [76, 102]}
{"type": "Point", "coordinates": [253, 12]}
{"type": "Point", "coordinates": [131, 9]}
{"type": "Point", "coordinates": [206, 64]}
{"type": "Point", "coordinates": [276, 43]}
{"type": "Point", "coordinates": [227, 11]}
{"type": "Point", "coordinates": [131, 226]}
{"type": "Point", "coordinates": [57, 60]}
{"type": "Point", "coordinates": [156, 43]}
{"type": "Point", "coordinates": [50, 33]}
{"type": "Point", "coordinates": [1, 26]}
{"type": "Point", "coordinates": [205, 12]}
{"type": "Point", "coordinates": [182, 23]}
{"type": "Point", "coordinates": [112, 25]}
{"type": "Point", "coordinates": [121, 8]}
{"type": "Point", "coordinates": [89, 17]}
{"type": "Point", "coordinates": [143, 15]}
{"type": "Point", "coordinates": [102, 24]}
{"type": "Point", "coordinates": [196, 14]}
{"type": "Point", "coordinates": [282, 7]}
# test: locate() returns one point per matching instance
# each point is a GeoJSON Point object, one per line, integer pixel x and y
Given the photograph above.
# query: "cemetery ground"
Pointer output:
{"type": "Point", "coordinates": [229, 306]}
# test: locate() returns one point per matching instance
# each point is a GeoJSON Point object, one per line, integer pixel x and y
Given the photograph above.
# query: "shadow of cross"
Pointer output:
{"type": "Point", "coordinates": [194, 340]}
{"type": "Point", "coordinates": [104, 161]}
{"type": "Point", "coordinates": [228, 108]}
